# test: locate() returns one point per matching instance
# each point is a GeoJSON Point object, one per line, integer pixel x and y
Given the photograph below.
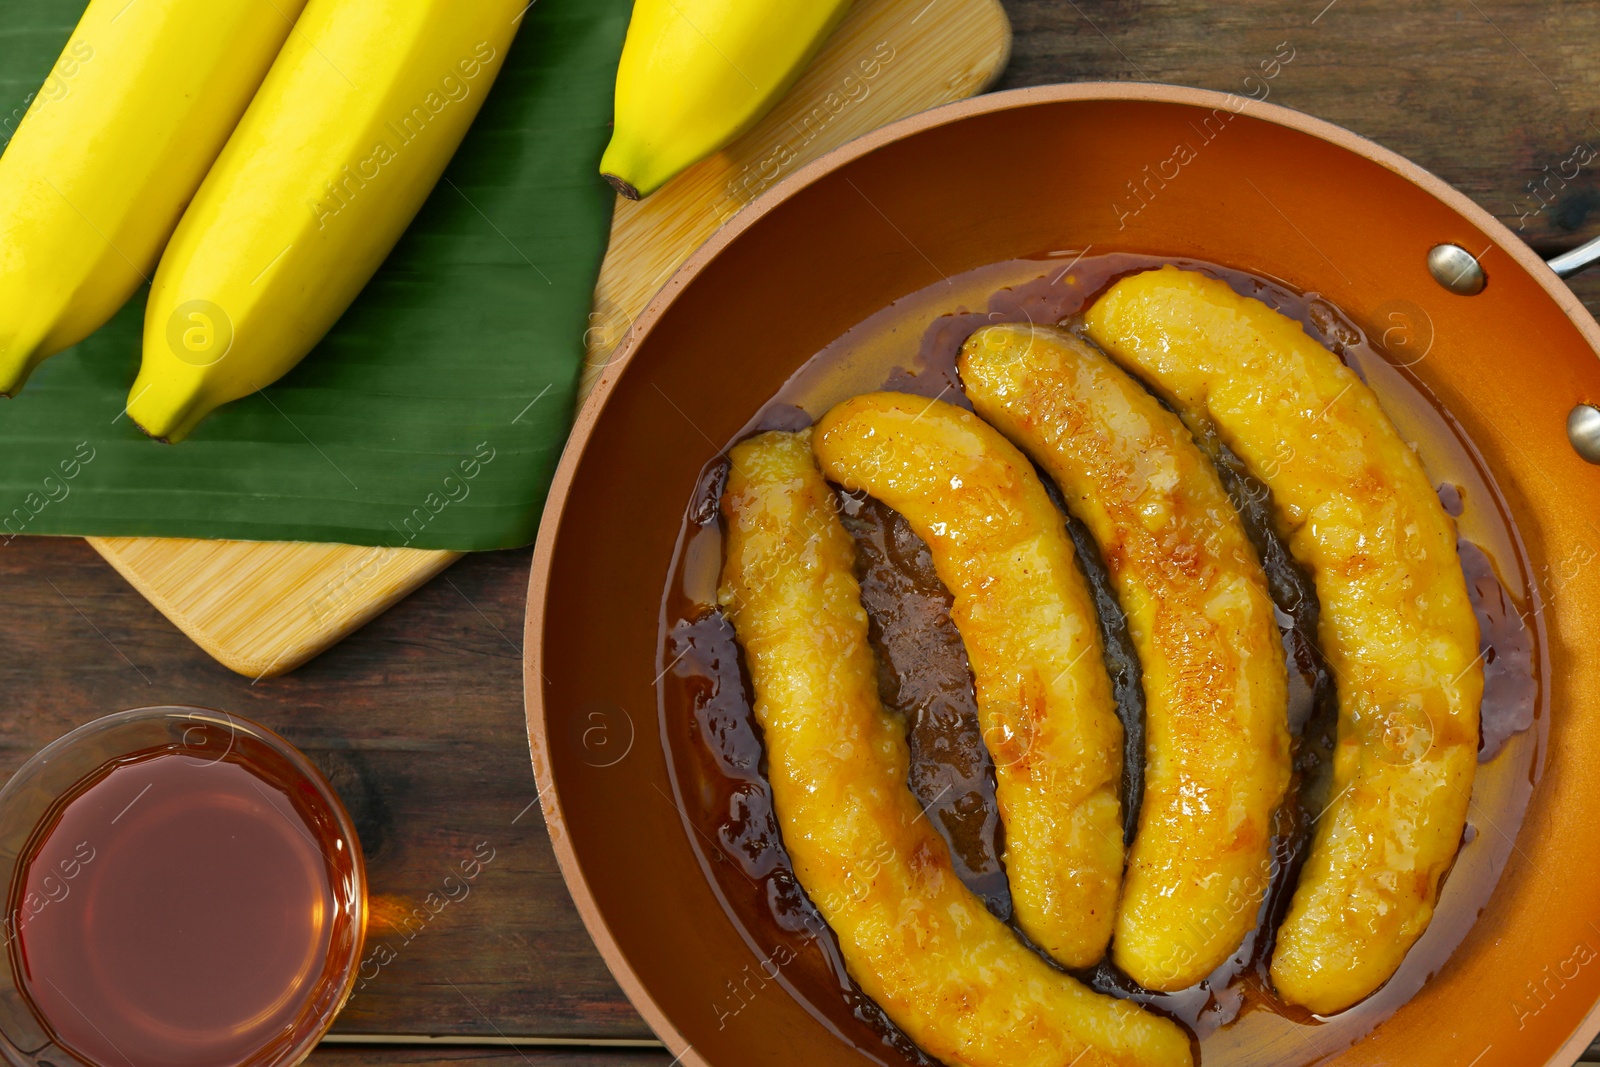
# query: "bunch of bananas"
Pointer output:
{"type": "Point", "coordinates": [256, 160]}
{"type": "Point", "coordinates": [266, 153]}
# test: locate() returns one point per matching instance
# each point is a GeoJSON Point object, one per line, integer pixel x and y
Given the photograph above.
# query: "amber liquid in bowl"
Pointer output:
{"type": "Point", "coordinates": [179, 909]}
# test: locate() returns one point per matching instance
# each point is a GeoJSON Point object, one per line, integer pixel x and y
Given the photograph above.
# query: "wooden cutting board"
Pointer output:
{"type": "Point", "coordinates": [263, 608]}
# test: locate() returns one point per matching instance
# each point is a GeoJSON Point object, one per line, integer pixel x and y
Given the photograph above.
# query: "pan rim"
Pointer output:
{"type": "Point", "coordinates": [587, 416]}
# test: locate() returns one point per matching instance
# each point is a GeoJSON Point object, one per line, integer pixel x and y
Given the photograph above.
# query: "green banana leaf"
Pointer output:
{"type": "Point", "coordinates": [433, 414]}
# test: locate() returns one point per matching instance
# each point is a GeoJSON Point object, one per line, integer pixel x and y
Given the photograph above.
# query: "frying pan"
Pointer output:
{"type": "Point", "coordinates": [1012, 174]}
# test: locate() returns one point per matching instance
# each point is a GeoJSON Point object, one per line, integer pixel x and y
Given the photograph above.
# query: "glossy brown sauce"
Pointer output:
{"type": "Point", "coordinates": [179, 910]}
{"type": "Point", "coordinates": [923, 675]}
{"type": "Point", "coordinates": [925, 679]}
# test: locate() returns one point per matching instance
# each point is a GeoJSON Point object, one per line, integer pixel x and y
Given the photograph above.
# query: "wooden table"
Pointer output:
{"type": "Point", "coordinates": [418, 718]}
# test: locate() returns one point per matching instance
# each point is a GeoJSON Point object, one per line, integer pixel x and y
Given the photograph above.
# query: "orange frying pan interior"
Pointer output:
{"type": "Point", "coordinates": [1013, 174]}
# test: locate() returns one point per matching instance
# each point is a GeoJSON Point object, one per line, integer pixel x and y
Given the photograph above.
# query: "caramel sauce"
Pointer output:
{"type": "Point", "coordinates": [923, 675]}
{"type": "Point", "coordinates": [715, 745]}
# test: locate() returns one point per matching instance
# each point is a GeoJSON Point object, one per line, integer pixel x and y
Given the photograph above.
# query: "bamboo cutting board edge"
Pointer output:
{"type": "Point", "coordinates": [263, 608]}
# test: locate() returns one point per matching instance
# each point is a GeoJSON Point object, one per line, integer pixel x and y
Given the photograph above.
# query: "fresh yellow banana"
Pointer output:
{"type": "Point", "coordinates": [695, 74]}
{"type": "Point", "coordinates": [115, 143]}
{"type": "Point", "coordinates": [350, 132]}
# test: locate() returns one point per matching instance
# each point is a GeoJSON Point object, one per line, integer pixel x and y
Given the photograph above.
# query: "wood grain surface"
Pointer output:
{"type": "Point", "coordinates": [888, 59]}
{"type": "Point", "coordinates": [419, 715]}
{"type": "Point", "coordinates": [376, 1055]}
{"type": "Point", "coordinates": [262, 609]}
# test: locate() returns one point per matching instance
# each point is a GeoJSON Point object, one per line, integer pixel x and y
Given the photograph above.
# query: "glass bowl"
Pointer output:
{"type": "Point", "coordinates": [33, 805]}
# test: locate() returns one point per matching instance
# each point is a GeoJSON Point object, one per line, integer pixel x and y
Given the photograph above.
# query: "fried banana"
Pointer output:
{"type": "Point", "coordinates": [1216, 703]}
{"type": "Point", "coordinates": [1029, 626]}
{"type": "Point", "coordinates": [1397, 628]}
{"type": "Point", "coordinates": [950, 974]}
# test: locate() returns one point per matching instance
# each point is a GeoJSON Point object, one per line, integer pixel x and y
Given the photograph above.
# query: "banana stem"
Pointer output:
{"type": "Point", "coordinates": [623, 187]}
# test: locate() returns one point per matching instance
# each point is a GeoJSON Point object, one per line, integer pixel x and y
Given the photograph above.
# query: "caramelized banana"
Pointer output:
{"type": "Point", "coordinates": [1216, 704]}
{"type": "Point", "coordinates": [1360, 514]}
{"type": "Point", "coordinates": [949, 974]}
{"type": "Point", "coordinates": [1028, 624]}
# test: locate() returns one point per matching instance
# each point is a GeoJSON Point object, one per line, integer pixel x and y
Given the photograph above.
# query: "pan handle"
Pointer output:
{"type": "Point", "coordinates": [1581, 258]}
{"type": "Point", "coordinates": [1460, 272]}
{"type": "Point", "coordinates": [1583, 421]}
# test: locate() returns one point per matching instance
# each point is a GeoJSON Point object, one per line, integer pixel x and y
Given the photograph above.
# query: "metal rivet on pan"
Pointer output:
{"type": "Point", "coordinates": [1583, 430]}
{"type": "Point", "coordinates": [1456, 269]}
